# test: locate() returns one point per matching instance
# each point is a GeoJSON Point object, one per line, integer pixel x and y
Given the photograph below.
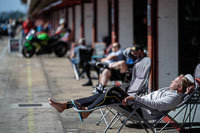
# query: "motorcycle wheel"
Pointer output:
{"type": "Point", "coordinates": [60, 50]}
{"type": "Point", "coordinates": [27, 53]}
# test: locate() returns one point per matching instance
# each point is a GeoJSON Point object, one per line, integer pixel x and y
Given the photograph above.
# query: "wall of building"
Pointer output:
{"type": "Point", "coordinates": [70, 18]}
{"type": "Point", "coordinates": [126, 23]}
{"type": "Point", "coordinates": [102, 19]}
{"type": "Point", "coordinates": [62, 13]}
{"type": "Point", "coordinates": [77, 22]}
{"type": "Point", "coordinates": [88, 23]}
{"type": "Point", "coordinates": [167, 41]}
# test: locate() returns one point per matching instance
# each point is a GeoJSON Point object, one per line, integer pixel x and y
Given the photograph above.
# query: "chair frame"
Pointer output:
{"type": "Point", "coordinates": [118, 116]}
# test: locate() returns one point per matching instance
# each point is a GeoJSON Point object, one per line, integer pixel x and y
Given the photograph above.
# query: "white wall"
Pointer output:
{"type": "Point", "coordinates": [167, 41]}
{"type": "Point", "coordinates": [70, 18]}
{"type": "Point", "coordinates": [126, 23]}
{"type": "Point", "coordinates": [102, 19]}
{"type": "Point", "coordinates": [88, 23]}
{"type": "Point", "coordinates": [77, 21]}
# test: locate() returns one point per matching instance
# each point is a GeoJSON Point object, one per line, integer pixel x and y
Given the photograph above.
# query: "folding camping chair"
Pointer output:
{"type": "Point", "coordinates": [153, 119]}
{"type": "Point", "coordinates": [188, 107]}
{"type": "Point", "coordinates": [138, 86]}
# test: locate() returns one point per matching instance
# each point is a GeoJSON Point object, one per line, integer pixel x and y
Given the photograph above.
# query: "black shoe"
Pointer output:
{"type": "Point", "coordinates": [89, 83]}
{"type": "Point", "coordinates": [101, 65]}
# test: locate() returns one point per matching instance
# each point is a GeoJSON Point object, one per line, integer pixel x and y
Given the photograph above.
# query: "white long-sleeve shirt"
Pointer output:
{"type": "Point", "coordinates": [163, 99]}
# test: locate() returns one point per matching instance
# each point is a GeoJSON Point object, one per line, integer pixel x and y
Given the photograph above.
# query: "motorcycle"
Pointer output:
{"type": "Point", "coordinates": [42, 43]}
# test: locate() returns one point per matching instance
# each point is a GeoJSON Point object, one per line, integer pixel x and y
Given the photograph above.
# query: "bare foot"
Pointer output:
{"type": "Point", "coordinates": [60, 107]}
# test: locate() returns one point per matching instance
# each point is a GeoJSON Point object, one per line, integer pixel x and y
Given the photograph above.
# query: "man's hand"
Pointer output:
{"type": "Point", "coordinates": [198, 80]}
{"type": "Point", "coordinates": [189, 90]}
{"type": "Point", "coordinates": [128, 98]}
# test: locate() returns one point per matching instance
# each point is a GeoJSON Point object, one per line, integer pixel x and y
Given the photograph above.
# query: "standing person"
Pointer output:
{"type": "Point", "coordinates": [10, 28]}
{"type": "Point", "coordinates": [163, 99]}
{"type": "Point", "coordinates": [61, 28]}
{"type": "Point", "coordinates": [48, 28]}
{"type": "Point", "coordinates": [27, 26]}
{"type": "Point", "coordinates": [67, 36]}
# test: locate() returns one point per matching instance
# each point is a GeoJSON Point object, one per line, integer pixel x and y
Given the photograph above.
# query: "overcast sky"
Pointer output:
{"type": "Point", "coordinates": [11, 5]}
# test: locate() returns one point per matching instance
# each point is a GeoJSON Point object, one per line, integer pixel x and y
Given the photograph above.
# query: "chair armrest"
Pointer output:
{"type": "Point", "coordinates": [140, 105]}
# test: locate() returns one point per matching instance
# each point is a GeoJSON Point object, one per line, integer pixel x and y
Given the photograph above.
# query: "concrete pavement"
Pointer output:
{"type": "Point", "coordinates": [26, 84]}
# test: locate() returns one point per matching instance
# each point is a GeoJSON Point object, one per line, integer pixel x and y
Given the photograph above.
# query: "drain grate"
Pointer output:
{"type": "Point", "coordinates": [30, 105]}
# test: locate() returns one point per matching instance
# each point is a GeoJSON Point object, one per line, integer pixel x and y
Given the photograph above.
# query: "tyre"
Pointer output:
{"type": "Point", "coordinates": [60, 50]}
{"type": "Point", "coordinates": [27, 53]}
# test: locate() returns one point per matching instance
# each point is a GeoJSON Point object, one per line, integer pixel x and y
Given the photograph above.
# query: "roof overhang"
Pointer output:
{"type": "Point", "coordinates": [40, 6]}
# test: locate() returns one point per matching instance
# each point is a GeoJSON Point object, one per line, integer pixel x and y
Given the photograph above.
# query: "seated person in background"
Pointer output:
{"type": "Point", "coordinates": [75, 55]}
{"type": "Point", "coordinates": [118, 68]}
{"type": "Point", "coordinates": [163, 99]}
{"type": "Point", "coordinates": [132, 55]}
{"type": "Point", "coordinates": [114, 56]}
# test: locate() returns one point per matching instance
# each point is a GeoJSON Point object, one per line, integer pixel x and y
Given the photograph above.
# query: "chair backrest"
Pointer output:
{"type": "Point", "coordinates": [99, 49]}
{"type": "Point", "coordinates": [85, 55]}
{"type": "Point", "coordinates": [140, 76]}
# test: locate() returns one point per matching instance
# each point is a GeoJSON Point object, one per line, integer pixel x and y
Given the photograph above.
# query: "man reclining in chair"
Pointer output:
{"type": "Point", "coordinates": [163, 99]}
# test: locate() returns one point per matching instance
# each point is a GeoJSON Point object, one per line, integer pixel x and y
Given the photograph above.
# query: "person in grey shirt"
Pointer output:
{"type": "Point", "coordinates": [163, 99]}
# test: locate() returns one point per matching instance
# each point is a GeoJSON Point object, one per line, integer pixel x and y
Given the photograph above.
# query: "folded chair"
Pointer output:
{"type": "Point", "coordinates": [137, 86]}
{"type": "Point", "coordinates": [187, 109]}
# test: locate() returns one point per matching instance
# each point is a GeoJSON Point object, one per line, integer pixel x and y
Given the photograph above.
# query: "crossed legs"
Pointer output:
{"type": "Point", "coordinates": [60, 107]}
{"type": "Point", "coordinates": [113, 95]}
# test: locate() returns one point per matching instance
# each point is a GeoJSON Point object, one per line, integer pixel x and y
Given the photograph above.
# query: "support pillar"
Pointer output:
{"type": "Point", "coordinates": [94, 28]}
{"type": "Point", "coordinates": [152, 42]}
{"type": "Point", "coordinates": [115, 21]}
{"type": "Point", "coordinates": [82, 19]}
{"type": "Point", "coordinates": [73, 23]}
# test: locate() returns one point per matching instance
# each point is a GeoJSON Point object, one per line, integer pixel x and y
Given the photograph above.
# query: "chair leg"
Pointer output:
{"type": "Point", "coordinates": [75, 71]}
{"type": "Point", "coordinates": [103, 114]}
{"type": "Point", "coordinates": [119, 118]}
{"type": "Point", "coordinates": [170, 120]}
{"type": "Point", "coordinates": [110, 123]}
{"type": "Point", "coordinates": [125, 121]}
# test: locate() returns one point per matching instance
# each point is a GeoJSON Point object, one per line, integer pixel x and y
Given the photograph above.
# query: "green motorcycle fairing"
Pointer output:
{"type": "Point", "coordinates": [43, 36]}
{"type": "Point", "coordinates": [28, 45]}
{"type": "Point", "coordinates": [30, 38]}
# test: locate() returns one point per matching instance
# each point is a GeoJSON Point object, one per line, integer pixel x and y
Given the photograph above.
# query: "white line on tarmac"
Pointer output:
{"type": "Point", "coordinates": [31, 120]}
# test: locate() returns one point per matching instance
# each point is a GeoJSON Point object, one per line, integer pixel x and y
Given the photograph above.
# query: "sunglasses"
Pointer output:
{"type": "Point", "coordinates": [114, 46]}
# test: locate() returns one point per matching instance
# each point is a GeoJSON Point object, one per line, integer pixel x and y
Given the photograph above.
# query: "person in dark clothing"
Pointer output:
{"type": "Point", "coordinates": [86, 69]}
